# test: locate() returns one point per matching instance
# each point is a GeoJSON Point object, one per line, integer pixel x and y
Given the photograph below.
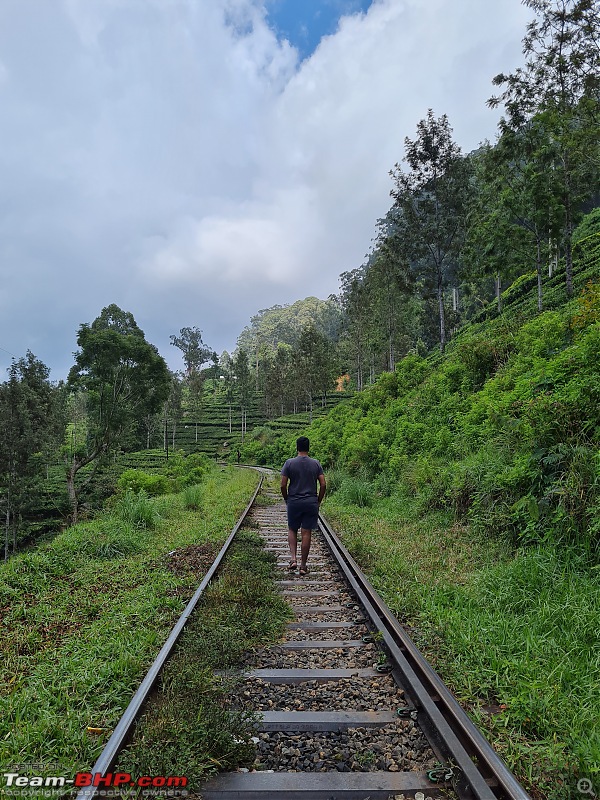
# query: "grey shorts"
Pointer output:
{"type": "Point", "coordinates": [303, 514]}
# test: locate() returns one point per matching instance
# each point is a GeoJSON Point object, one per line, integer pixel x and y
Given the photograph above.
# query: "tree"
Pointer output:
{"type": "Point", "coordinates": [389, 283]}
{"type": "Point", "coordinates": [278, 380]}
{"type": "Point", "coordinates": [315, 366]}
{"type": "Point", "coordinates": [122, 377]}
{"type": "Point", "coordinates": [173, 410]}
{"type": "Point", "coordinates": [227, 376]}
{"type": "Point", "coordinates": [30, 422]}
{"type": "Point", "coordinates": [529, 188]}
{"type": "Point", "coordinates": [431, 200]}
{"type": "Point", "coordinates": [495, 247]}
{"type": "Point", "coordinates": [195, 352]}
{"type": "Point", "coordinates": [357, 315]}
{"type": "Point", "coordinates": [560, 83]}
{"type": "Point", "coordinates": [243, 385]}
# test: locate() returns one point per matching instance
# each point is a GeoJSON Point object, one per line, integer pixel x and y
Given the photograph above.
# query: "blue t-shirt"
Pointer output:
{"type": "Point", "coordinates": [302, 472]}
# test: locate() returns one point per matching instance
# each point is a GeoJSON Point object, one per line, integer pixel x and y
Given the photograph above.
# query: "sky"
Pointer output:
{"type": "Point", "coordinates": [195, 161]}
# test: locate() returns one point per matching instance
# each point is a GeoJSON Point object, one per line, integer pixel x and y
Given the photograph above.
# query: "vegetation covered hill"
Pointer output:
{"type": "Point", "coordinates": [468, 485]}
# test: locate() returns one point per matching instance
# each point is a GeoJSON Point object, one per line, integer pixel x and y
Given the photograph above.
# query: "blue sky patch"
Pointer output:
{"type": "Point", "coordinates": [304, 22]}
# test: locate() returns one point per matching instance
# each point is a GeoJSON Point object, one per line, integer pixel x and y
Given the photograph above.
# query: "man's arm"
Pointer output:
{"type": "Point", "coordinates": [284, 487]}
{"type": "Point", "coordinates": [322, 487]}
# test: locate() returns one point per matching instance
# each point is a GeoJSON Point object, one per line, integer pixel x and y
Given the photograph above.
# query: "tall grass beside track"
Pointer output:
{"type": "Point", "coordinates": [512, 633]}
{"type": "Point", "coordinates": [85, 615]}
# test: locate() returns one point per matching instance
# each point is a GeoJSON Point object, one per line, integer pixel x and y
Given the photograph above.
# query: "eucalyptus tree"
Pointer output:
{"type": "Point", "coordinates": [31, 424]}
{"type": "Point", "coordinates": [278, 385]}
{"type": "Point", "coordinates": [195, 354]}
{"type": "Point", "coordinates": [560, 84]}
{"type": "Point", "coordinates": [356, 305]}
{"type": "Point", "coordinates": [315, 365]}
{"type": "Point", "coordinates": [528, 189]}
{"type": "Point", "coordinates": [243, 385]}
{"type": "Point", "coordinates": [390, 284]}
{"type": "Point", "coordinates": [496, 248]}
{"type": "Point", "coordinates": [121, 378]}
{"type": "Point", "coordinates": [430, 199]}
{"type": "Point", "coordinates": [172, 410]}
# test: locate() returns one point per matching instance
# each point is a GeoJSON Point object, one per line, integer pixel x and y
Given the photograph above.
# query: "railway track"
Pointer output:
{"type": "Point", "coordinates": [348, 706]}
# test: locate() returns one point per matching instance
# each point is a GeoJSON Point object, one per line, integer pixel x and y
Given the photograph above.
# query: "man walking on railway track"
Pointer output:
{"type": "Point", "coordinates": [299, 478]}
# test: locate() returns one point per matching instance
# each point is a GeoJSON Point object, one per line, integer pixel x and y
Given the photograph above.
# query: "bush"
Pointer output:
{"type": "Point", "coordinates": [136, 480]}
{"type": "Point", "coordinates": [335, 479]}
{"type": "Point", "coordinates": [137, 510]}
{"type": "Point", "coordinates": [193, 497]}
{"type": "Point", "coordinates": [357, 492]}
{"type": "Point", "coordinates": [113, 538]}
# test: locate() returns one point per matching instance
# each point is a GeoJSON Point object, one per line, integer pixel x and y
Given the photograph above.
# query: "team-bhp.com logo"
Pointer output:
{"type": "Point", "coordinates": [16, 782]}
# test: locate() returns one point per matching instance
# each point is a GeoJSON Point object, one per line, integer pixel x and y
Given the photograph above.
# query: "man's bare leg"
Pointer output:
{"type": "Point", "coordinates": [293, 544]}
{"type": "Point", "coordinates": [305, 547]}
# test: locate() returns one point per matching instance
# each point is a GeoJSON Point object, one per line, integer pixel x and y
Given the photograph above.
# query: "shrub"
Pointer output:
{"type": "Point", "coordinates": [136, 480]}
{"type": "Point", "coordinates": [357, 492]}
{"type": "Point", "coordinates": [193, 497]}
{"type": "Point", "coordinates": [112, 538]}
{"type": "Point", "coordinates": [193, 477]}
{"type": "Point", "coordinates": [335, 479]}
{"type": "Point", "coordinates": [588, 226]}
{"type": "Point", "coordinates": [137, 509]}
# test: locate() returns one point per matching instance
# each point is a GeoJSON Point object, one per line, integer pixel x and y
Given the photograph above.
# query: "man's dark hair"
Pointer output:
{"type": "Point", "coordinates": [303, 444]}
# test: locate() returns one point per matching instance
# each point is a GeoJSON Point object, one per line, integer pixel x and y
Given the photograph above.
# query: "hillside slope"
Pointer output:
{"type": "Point", "coordinates": [468, 487]}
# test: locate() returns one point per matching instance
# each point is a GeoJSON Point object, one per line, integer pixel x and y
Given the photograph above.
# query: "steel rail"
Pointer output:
{"type": "Point", "coordinates": [483, 774]}
{"type": "Point", "coordinates": [121, 734]}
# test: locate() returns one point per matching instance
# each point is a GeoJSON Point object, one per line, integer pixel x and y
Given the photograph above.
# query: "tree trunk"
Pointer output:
{"type": "Point", "coordinates": [359, 373]}
{"type": "Point", "coordinates": [442, 315]}
{"type": "Point", "coordinates": [499, 292]}
{"type": "Point", "coordinates": [538, 266]}
{"type": "Point", "coordinates": [72, 492]}
{"type": "Point", "coordinates": [7, 527]}
{"type": "Point", "coordinates": [568, 231]}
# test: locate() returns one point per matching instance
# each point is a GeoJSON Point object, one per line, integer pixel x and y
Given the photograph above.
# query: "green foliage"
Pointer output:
{"type": "Point", "coordinates": [137, 509]}
{"type": "Point", "coordinates": [513, 625]}
{"type": "Point", "coordinates": [587, 228]}
{"type": "Point", "coordinates": [121, 378]}
{"type": "Point", "coordinates": [357, 492]}
{"type": "Point", "coordinates": [31, 422]}
{"type": "Point", "coordinates": [114, 538]}
{"type": "Point", "coordinates": [195, 352]}
{"type": "Point", "coordinates": [182, 470]}
{"type": "Point", "coordinates": [503, 431]}
{"type": "Point", "coordinates": [136, 480]}
{"type": "Point", "coordinates": [284, 324]}
{"type": "Point", "coordinates": [588, 308]}
{"type": "Point", "coordinates": [193, 497]}
{"type": "Point", "coordinates": [60, 672]}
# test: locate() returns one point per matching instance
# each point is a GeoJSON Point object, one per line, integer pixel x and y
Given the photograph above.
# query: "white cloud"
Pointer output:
{"type": "Point", "coordinates": [173, 156]}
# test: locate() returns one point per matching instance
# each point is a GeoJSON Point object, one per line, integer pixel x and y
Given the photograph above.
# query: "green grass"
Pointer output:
{"type": "Point", "coordinates": [193, 497]}
{"type": "Point", "coordinates": [517, 630]}
{"type": "Point", "coordinates": [186, 723]}
{"type": "Point", "coordinates": [85, 615]}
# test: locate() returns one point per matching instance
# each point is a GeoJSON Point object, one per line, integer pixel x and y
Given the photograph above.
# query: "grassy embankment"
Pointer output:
{"type": "Point", "coordinates": [468, 486]}
{"type": "Point", "coordinates": [86, 614]}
